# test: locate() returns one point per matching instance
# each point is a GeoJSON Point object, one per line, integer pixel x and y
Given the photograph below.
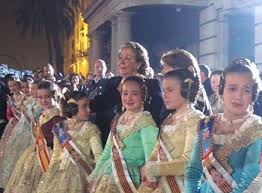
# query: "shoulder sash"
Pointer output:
{"type": "Point", "coordinates": [220, 180]}
{"type": "Point", "coordinates": [68, 145]}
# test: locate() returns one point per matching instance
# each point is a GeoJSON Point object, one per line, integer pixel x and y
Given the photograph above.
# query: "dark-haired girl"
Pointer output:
{"type": "Point", "coordinates": [78, 141]}
{"type": "Point", "coordinates": [165, 170]}
{"type": "Point", "coordinates": [228, 147]}
{"type": "Point", "coordinates": [37, 158]}
{"type": "Point", "coordinates": [182, 59]}
{"type": "Point", "coordinates": [131, 141]}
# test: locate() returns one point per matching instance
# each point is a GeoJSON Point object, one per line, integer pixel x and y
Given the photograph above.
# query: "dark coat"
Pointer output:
{"type": "Point", "coordinates": [109, 104]}
{"type": "Point", "coordinates": [3, 105]}
{"type": "Point", "coordinates": [208, 87]}
{"type": "Point", "coordinates": [93, 88]}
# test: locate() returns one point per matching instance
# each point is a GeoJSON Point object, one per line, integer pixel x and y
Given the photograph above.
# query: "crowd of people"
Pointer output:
{"type": "Point", "coordinates": [191, 130]}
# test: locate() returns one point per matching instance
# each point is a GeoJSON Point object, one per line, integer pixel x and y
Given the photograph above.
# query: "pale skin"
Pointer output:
{"type": "Point", "coordinates": [26, 88]}
{"type": "Point", "coordinates": [237, 97]}
{"type": "Point", "coordinates": [34, 90]}
{"type": "Point", "coordinates": [127, 63]}
{"type": "Point", "coordinates": [100, 69]}
{"type": "Point", "coordinates": [83, 109]}
{"type": "Point", "coordinates": [16, 91]}
{"type": "Point", "coordinates": [46, 99]}
{"type": "Point", "coordinates": [215, 79]}
{"type": "Point", "coordinates": [131, 97]}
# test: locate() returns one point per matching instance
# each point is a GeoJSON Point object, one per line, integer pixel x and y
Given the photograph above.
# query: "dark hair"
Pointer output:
{"type": "Point", "coordinates": [15, 79]}
{"type": "Point", "coordinates": [189, 83]}
{"type": "Point", "coordinates": [141, 55]}
{"type": "Point", "coordinates": [142, 85]}
{"type": "Point", "coordinates": [242, 66]}
{"type": "Point", "coordinates": [204, 68]}
{"type": "Point", "coordinates": [51, 86]}
{"type": "Point", "coordinates": [28, 79]}
{"type": "Point", "coordinates": [74, 74]}
{"type": "Point", "coordinates": [71, 108]}
{"type": "Point", "coordinates": [217, 72]}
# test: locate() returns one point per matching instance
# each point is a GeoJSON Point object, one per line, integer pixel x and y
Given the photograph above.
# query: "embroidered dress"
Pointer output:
{"type": "Point", "coordinates": [66, 175]}
{"type": "Point", "coordinates": [231, 163]}
{"type": "Point", "coordinates": [20, 139]}
{"type": "Point", "coordinates": [17, 103]}
{"type": "Point", "coordinates": [27, 173]}
{"type": "Point", "coordinates": [216, 103]}
{"type": "Point", "coordinates": [173, 151]}
{"type": "Point", "coordinates": [137, 139]}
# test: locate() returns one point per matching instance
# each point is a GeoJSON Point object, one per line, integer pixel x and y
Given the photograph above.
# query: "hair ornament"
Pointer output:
{"type": "Point", "coordinates": [189, 83]}
{"type": "Point", "coordinates": [192, 70]}
{"type": "Point", "coordinates": [72, 101]}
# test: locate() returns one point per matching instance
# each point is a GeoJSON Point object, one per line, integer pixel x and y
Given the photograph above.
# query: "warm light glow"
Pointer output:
{"type": "Point", "coordinates": [77, 51]}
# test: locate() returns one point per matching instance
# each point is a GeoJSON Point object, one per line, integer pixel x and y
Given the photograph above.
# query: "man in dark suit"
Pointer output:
{"type": "Point", "coordinates": [205, 78]}
{"type": "Point", "coordinates": [96, 87]}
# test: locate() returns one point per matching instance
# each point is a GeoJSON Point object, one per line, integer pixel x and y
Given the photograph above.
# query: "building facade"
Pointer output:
{"type": "Point", "coordinates": [221, 29]}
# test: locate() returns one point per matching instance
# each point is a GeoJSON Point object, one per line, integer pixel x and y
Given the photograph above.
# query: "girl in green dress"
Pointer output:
{"type": "Point", "coordinates": [129, 145]}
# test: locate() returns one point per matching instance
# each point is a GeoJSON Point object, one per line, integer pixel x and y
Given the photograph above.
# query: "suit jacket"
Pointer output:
{"type": "Point", "coordinates": [109, 103]}
{"type": "Point", "coordinates": [92, 89]}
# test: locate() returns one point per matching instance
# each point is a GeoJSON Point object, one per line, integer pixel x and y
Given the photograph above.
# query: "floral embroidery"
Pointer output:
{"type": "Point", "coordinates": [246, 135]}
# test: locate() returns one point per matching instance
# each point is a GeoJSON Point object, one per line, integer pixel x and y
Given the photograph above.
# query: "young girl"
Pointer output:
{"type": "Point", "coordinates": [13, 109]}
{"type": "Point", "coordinates": [37, 158]}
{"type": "Point", "coordinates": [20, 138]}
{"type": "Point", "coordinates": [131, 141]}
{"type": "Point", "coordinates": [182, 59]}
{"type": "Point", "coordinates": [228, 146]}
{"type": "Point", "coordinates": [172, 153]}
{"type": "Point", "coordinates": [80, 143]}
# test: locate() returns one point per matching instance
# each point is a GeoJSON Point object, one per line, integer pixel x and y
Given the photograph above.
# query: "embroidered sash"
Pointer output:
{"type": "Point", "coordinates": [120, 171]}
{"type": "Point", "coordinates": [69, 147]}
{"type": "Point", "coordinates": [171, 184]}
{"type": "Point", "coordinates": [42, 151]}
{"type": "Point", "coordinates": [220, 180]}
{"type": "Point", "coordinates": [44, 140]}
{"type": "Point", "coordinates": [119, 167]}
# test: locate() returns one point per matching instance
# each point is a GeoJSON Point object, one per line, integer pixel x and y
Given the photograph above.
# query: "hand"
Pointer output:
{"type": "Point", "coordinates": [147, 177]}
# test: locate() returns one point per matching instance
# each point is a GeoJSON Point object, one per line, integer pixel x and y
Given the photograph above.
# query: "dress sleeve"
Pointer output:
{"type": "Point", "coordinates": [96, 146]}
{"type": "Point", "coordinates": [149, 139]}
{"type": "Point", "coordinates": [251, 167]}
{"type": "Point", "coordinates": [177, 166]}
{"type": "Point", "coordinates": [194, 170]}
{"type": "Point", "coordinates": [104, 157]}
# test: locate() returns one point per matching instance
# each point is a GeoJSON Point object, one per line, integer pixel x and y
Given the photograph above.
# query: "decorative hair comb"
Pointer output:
{"type": "Point", "coordinates": [72, 101]}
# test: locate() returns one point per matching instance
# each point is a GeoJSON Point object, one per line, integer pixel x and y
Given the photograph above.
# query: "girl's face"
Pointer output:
{"type": "Point", "coordinates": [34, 90]}
{"type": "Point", "coordinates": [131, 96]}
{"type": "Point", "coordinates": [14, 87]}
{"type": "Point", "coordinates": [215, 79]}
{"type": "Point", "coordinates": [75, 80]}
{"type": "Point", "coordinates": [83, 109]}
{"type": "Point", "coordinates": [127, 62]}
{"type": "Point", "coordinates": [26, 88]}
{"type": "Point", "coordinates": [237, 93]}
{"type": "Point", "coordinates": [172, 95]}
{"type": "Point", "coordinates": [45, 98]}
